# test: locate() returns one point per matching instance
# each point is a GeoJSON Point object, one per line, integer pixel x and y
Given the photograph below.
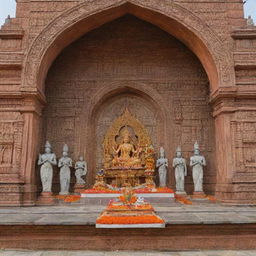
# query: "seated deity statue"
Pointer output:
{"type": "Point", "coordinates": [126, 155]}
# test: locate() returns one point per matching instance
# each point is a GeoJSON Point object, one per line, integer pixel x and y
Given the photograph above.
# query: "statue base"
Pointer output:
{"type": "Point", "coordinates": [46, 198]}
{"type": "Point", "coordinates": [78, 188]}
{"type": "Point", "coordinates": [64, 193]}
{"type": "Point", "coordinates": [198, 195]}
{"type": "Point", "coordinates": [182, 193]}
{"type": "Point", "coordinates": [119, 176]}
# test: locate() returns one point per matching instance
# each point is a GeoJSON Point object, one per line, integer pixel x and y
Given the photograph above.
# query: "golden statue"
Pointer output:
{"type": "Point", "coordinates": [128, 152]}
{"type": "Point", "coordinates": [126, 155]}
{"type": "Point", "coordinates": [125, 143]}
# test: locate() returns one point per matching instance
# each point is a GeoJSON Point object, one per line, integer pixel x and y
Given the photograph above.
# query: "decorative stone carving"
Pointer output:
{"type": "Point", "coordinates": [197, 162]}
{"type": "Point", "coordinates": [162, 165]}
{"type": "Point", "coordinates": [180, 169]}
{"type": "Point", "coordinates": [244, 146]}
{"type": "Point", "coordinates": [46, 161]}
{"type": "Point", "coordinates": [65, 163]}
{"type": "Point", "coordinates": [178, 115]}
{"type": "Point", "coordinates": [219, 52]}
{"type": "Point", "coordinates": [11, 134]}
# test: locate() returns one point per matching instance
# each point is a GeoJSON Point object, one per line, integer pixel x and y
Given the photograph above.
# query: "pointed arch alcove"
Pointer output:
{"type": "Point", "coordinates": [140, 104]}
{"type": "Point", "coordinates": [129, 63]}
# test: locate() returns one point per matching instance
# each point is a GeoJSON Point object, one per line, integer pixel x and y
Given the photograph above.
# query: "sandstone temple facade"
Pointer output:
{"type": "Point", "coordinates": [185, 68]}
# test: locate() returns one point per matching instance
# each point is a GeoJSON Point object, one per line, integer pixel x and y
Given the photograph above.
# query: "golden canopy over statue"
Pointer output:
{"type": "Point", "coordinates": [126, 143]}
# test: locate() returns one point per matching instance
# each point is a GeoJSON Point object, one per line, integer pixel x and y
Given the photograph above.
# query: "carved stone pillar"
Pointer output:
{"type": "Point", "coordinates": [224, 155]}
{"type": "Point", "coordinates": [235, 121]}
{"type": "Point", "coordinates": [11, 130]}
{"type": "Point", "coordinates": [31, 113]}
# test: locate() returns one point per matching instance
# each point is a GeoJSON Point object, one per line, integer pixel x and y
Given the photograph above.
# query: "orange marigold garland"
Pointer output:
{"type": "Point", "coordinates": [128, 197]}
{"type": "Point", "coordinates": [146, 207]}
{"type": "Point", "coordinates": [143, 219]}
{"type": "Point", "coordinates": [69, 198]}
{"type": "Point", "coordinates": [100, 191]}
{"type": "Point", "coordinates": [212, 199]}
{"type": "Point", "coordinates": [128, 209]}
{"type": "Point", "coordinates": [182, 199]}
{"type": "Point", "coordinates": [154, 191]}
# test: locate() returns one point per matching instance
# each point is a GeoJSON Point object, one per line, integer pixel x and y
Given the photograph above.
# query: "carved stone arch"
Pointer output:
{"type": "Point", "coordinates": [169, 16]}
{"type": "Point", "coordinates": [114, 90]}
{"type": "Point", "coordinates": [138, 88]}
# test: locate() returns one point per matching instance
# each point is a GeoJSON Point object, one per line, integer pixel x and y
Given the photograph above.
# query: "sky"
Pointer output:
{"type": "Point", "coordinates": [8, 7]}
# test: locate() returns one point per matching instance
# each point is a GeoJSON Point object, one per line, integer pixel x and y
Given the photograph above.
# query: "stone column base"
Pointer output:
{"type": "Point", "coordinates": [46, 198]}
{"type": "Point", "coordinates": [79, 188]}
{"type": "Point", "coordinates": [198, 195]}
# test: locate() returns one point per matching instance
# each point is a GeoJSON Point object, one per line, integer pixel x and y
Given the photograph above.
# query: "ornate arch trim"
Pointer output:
{"type": "Point", "coordinates": [170, 16]}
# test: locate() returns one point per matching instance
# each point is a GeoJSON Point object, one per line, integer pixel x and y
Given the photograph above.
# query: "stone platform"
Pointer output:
{"type": "Point", "coordinates": [130, 226]}
{"type": "Point", "coordinates": [129, 253]}
{"type": "Point", "coordinates": [104, 198]}
{"type": "Point", "coordinates": [202, 225]}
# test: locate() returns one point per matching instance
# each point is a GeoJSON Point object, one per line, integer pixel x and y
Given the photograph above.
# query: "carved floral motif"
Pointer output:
{"type": "Point", "coordinates": [11, 129]}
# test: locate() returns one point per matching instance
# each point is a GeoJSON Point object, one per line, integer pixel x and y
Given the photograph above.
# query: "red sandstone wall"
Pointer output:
{"type": "Point", "coordinates": [234, 107]}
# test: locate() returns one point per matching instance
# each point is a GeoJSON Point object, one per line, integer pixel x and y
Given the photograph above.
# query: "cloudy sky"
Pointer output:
{"type": "Point", "coordinates": [8, 7]}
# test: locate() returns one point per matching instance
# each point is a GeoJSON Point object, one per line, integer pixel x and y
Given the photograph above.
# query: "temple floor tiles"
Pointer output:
{"type": "Point", "coordinates": [71, 226]}
{"type": "Point", "coordinates": [129, 253]}
{"type": "Point", "coordinates": [175, 213]}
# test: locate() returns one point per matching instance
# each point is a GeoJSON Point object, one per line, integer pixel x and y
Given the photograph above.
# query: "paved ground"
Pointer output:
{"type": "Point", "coordinates": [204, 212]}
{"type": "Point", "coordinates": [175, 213]}
{"type": "Point", "coordinates": [126, 253]}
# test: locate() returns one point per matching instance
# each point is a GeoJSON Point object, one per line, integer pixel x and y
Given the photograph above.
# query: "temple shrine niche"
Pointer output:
{"type": "Point", "coordinates": [91, 83]}
{"type": "Point", "coordinates": [128, 151]}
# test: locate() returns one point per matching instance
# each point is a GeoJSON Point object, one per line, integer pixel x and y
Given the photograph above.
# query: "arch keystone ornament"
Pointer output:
{"type": "Point", "coordinates": [169, 16]}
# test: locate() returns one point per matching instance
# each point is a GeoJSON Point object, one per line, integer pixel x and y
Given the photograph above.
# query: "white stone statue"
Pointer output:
{"type": "Point", "coordinates": [65, 163]}
{"type": "Point", "coordinates": [47, 160]}
{"type": "Point", "coordinates": [81, 170]}
{"type": "Point", "coordinates": [250, 21]}
{"type": "Point", "coordinates": [180, 167]}
{"type": "Point", "coordinates": [197, 162]}
{"type": "Point", "coordinates": [162, 165]}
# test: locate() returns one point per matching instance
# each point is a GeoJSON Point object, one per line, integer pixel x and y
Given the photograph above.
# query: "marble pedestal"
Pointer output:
{"type": "Point", "coordinates": [46, 198]}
